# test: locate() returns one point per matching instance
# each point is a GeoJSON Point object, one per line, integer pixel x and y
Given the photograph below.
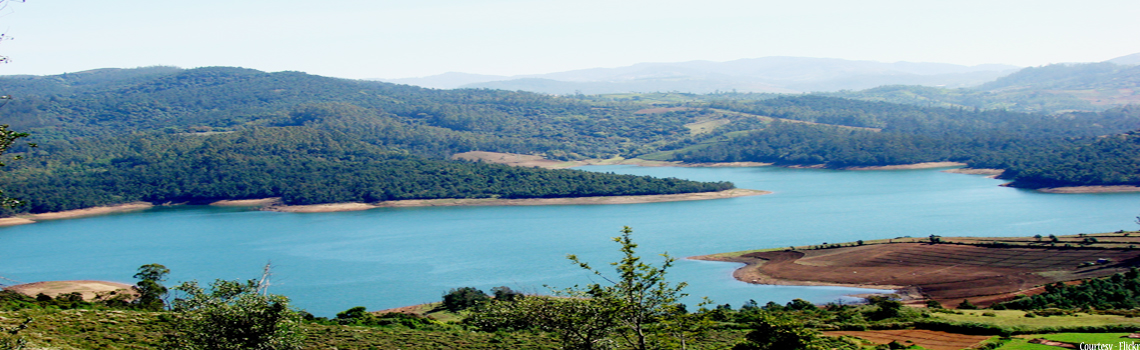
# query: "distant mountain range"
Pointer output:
{"type": "Point", "coordinates": [768, 74]}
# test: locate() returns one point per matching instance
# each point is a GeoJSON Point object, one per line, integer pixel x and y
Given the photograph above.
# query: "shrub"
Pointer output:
{"type": "Point", "coordinates": [232, 315]}
{"type": "Point", "coordinates": [459, 299]}
{"type": "Point", "coordinates": [966, 305]}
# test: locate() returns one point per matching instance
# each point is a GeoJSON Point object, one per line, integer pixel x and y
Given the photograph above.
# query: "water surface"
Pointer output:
{"type": "Point", "coordinates": [389, 257]}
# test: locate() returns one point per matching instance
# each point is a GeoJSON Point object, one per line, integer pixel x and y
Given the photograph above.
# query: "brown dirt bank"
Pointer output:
{"type": "Point", "coordinates": [527, 160]}
{"type": "Point", "coordinates": [1091, 189]}
{"type": "Point", "coordinates": [976, 171]}
{"type": "Point", "coordinates": [247, 202]}
{"type": "Point", "coordinates": [88, 289]}
{"type": "Point", "coordinates": [736, 192]}
{"type": "Point", "coordinates": [933, 340]}
{"type": "Point", "coordinates": [943, 272]}
{"type": "Point", "coordinates": [928, 165]}
{"type": "Point", "coordinates": [78, 213]}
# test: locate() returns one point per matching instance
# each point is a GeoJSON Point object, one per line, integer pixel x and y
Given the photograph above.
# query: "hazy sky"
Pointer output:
{"type": "Point", "coordinates": [410, 38]}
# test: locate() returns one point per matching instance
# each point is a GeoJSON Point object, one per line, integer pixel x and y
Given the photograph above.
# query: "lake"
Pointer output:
{"type": "Point", "coordinates": [390, 257]}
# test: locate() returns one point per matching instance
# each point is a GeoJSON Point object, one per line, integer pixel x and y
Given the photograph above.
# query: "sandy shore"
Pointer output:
{"type": "Point", "coordinates": [88, 289]}
{"type": "Point", "coordinates": [78, 213]}
{"type": "Point", "coordinates": [527, 160]}
{"type": "Point", "coordinates": [261, 202]}
{"type": "Point", "coordinates": [976, 171]}
{"type": "Point", "coordinates": [15, 221]}
{"type": "Point", "coordinates": [749, 273]}
{"type": "Point", "coordinates": [68, 214]}
{"type": "Point", "coordinates": [1091, 189]}
{"type": "Point", "coordinates": [929, 165]}
{"type": "Point", "coordinates": [321, 208]}
{"type": "Point", "coordinates": [324, 208]}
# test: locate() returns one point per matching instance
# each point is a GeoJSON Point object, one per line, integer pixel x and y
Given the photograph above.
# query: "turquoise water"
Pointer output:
{"type": "Point", "coordinates": [391, 257]}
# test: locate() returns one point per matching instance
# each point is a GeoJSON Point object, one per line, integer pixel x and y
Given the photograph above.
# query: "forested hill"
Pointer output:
{"type": "Point", "coordinates": [167, 134]}
{"type": "Point", "coordinates": [170, 135]}
{"type": "Point", "coordinates": [1071, 149]}
{"type": "Point", "coordinates": [118, 102]}
{"type": "Point", "coordinates": [302, 165]}
{"type": "Point", "coordinates": [1047, 89]}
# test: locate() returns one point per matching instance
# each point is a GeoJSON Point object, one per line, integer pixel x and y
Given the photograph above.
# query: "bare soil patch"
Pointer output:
{"type": "Point", "coordinates": [88, 289]}
{"type": "Point", "coordinates": [512, 159]}
{"type": "Point", "coordinates": [975, 171]}
{"type": "Point", "coordinates": [663, 110]}
{"type": "Point", "coordinates": [68, 214]}
{"type": "Point", "coordinates": [928, 165]}
{"type": "Point", "coordinates": [247, 202]}
{"type": "Point", "coordinates": [323, 208]}
{"type": "Point", "coordinates": [947, 273]}
{"type": "Point", "coordinates": [15, 221]}
{"type": "Point", "coordinates": [933, 340]}
{"type": "Point", "coordinates": [1091, 189]}
{"type": "Point", "coordinates": [528, 160]}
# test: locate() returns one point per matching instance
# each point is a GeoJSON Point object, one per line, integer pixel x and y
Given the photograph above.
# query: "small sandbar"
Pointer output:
{"type": "Point", "coordinates": [15, 221]}
{"type": "Point", "coordinates": [77, 213]}
{"type": "Point", "coordinates": [724, 165]}
{"type": "Point", "coordinates": [976, 171]}
{"type": "Point", "coordinates": [1091, 189]}
{"type": "Point", "coordinates": [89, 289]}
{"type": "Point", "coordinates": [323, 208]}
{"type": "Point", "coordinates": [261, 202]}
{"type": "Point", "coordinates": [928, 165]}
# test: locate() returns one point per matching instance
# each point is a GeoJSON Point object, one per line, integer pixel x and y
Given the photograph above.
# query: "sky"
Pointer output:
{"type": "Point", "coordinates": [365, 39]}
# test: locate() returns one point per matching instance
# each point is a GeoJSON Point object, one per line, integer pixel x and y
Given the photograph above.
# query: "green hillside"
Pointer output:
{"type": "Point", "coordinates": [165, 134]}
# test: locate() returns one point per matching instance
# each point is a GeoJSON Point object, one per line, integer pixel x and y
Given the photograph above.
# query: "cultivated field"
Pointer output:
{"type": "Point", "coordinates": [948, 273]}
{"type": "Point", "coordinates": [933, 340]}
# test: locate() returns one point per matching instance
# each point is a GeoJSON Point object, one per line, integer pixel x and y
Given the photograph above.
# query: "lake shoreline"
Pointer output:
{"type": "Point", "coordinates": [275, 204]}
{"type": "Point", "coordinates": [750, 273]}
{"type": "Point", "coordinates": [76, 213]}
{"type": "Point", "coordinates": [449, 202]}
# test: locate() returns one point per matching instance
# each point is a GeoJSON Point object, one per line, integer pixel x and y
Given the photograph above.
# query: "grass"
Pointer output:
{"type": "Point", "coordinates": [1017, 319]}
{"type": "Point", "coordinates": [104, 329]}
{"type": "Point", "coordinates": [1023, 344]}
{"type": "Point", "coordinates": [1089, 338]}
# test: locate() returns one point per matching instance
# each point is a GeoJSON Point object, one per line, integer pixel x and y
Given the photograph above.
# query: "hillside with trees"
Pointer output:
{"type": "Point", "coordinates": [1050, 89]}
{"type": "Point", "coordinates": [165, 134]}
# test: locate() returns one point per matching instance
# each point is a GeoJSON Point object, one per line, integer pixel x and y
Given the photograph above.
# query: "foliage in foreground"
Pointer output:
{"type": "Point", "coordinates": [636, 310]}
{"type": "Point", "coordinates": [232, 315]}
{"type": "Point", "coordinates": [1120, 291]}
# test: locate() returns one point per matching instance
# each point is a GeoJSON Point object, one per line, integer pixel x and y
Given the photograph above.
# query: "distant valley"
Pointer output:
{"type": "Point", "coordinates": [1047, 89]}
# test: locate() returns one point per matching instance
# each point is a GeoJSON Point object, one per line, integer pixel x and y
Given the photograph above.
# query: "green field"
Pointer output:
{"type": "Point", "coordinates": [1022, 342]}
{"type": "Point", "coordinates": [1017, 319]}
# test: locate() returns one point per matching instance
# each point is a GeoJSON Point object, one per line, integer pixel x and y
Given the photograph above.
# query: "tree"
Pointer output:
{"type": "Point", "coordinates": [638, 309]}
{"type": "Point", "coordinates": [150, 286]}
{"type": "Point", "coordinates": [580, 323]}
{"type": "Point", "coordinates": [8, 137]}
{"type": "Point", "coordinates": [460, 299]}
{"type": "Point", "coordinates": [504, 293]}
{"type": "Point", "coordinates": [232, 315]}
{"type": "Point", "coordinates": [639, 299]}
{"type": "Point", "coordinates": [770, 333]}
{"type": "Point", "coordinates": [967, 305]}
